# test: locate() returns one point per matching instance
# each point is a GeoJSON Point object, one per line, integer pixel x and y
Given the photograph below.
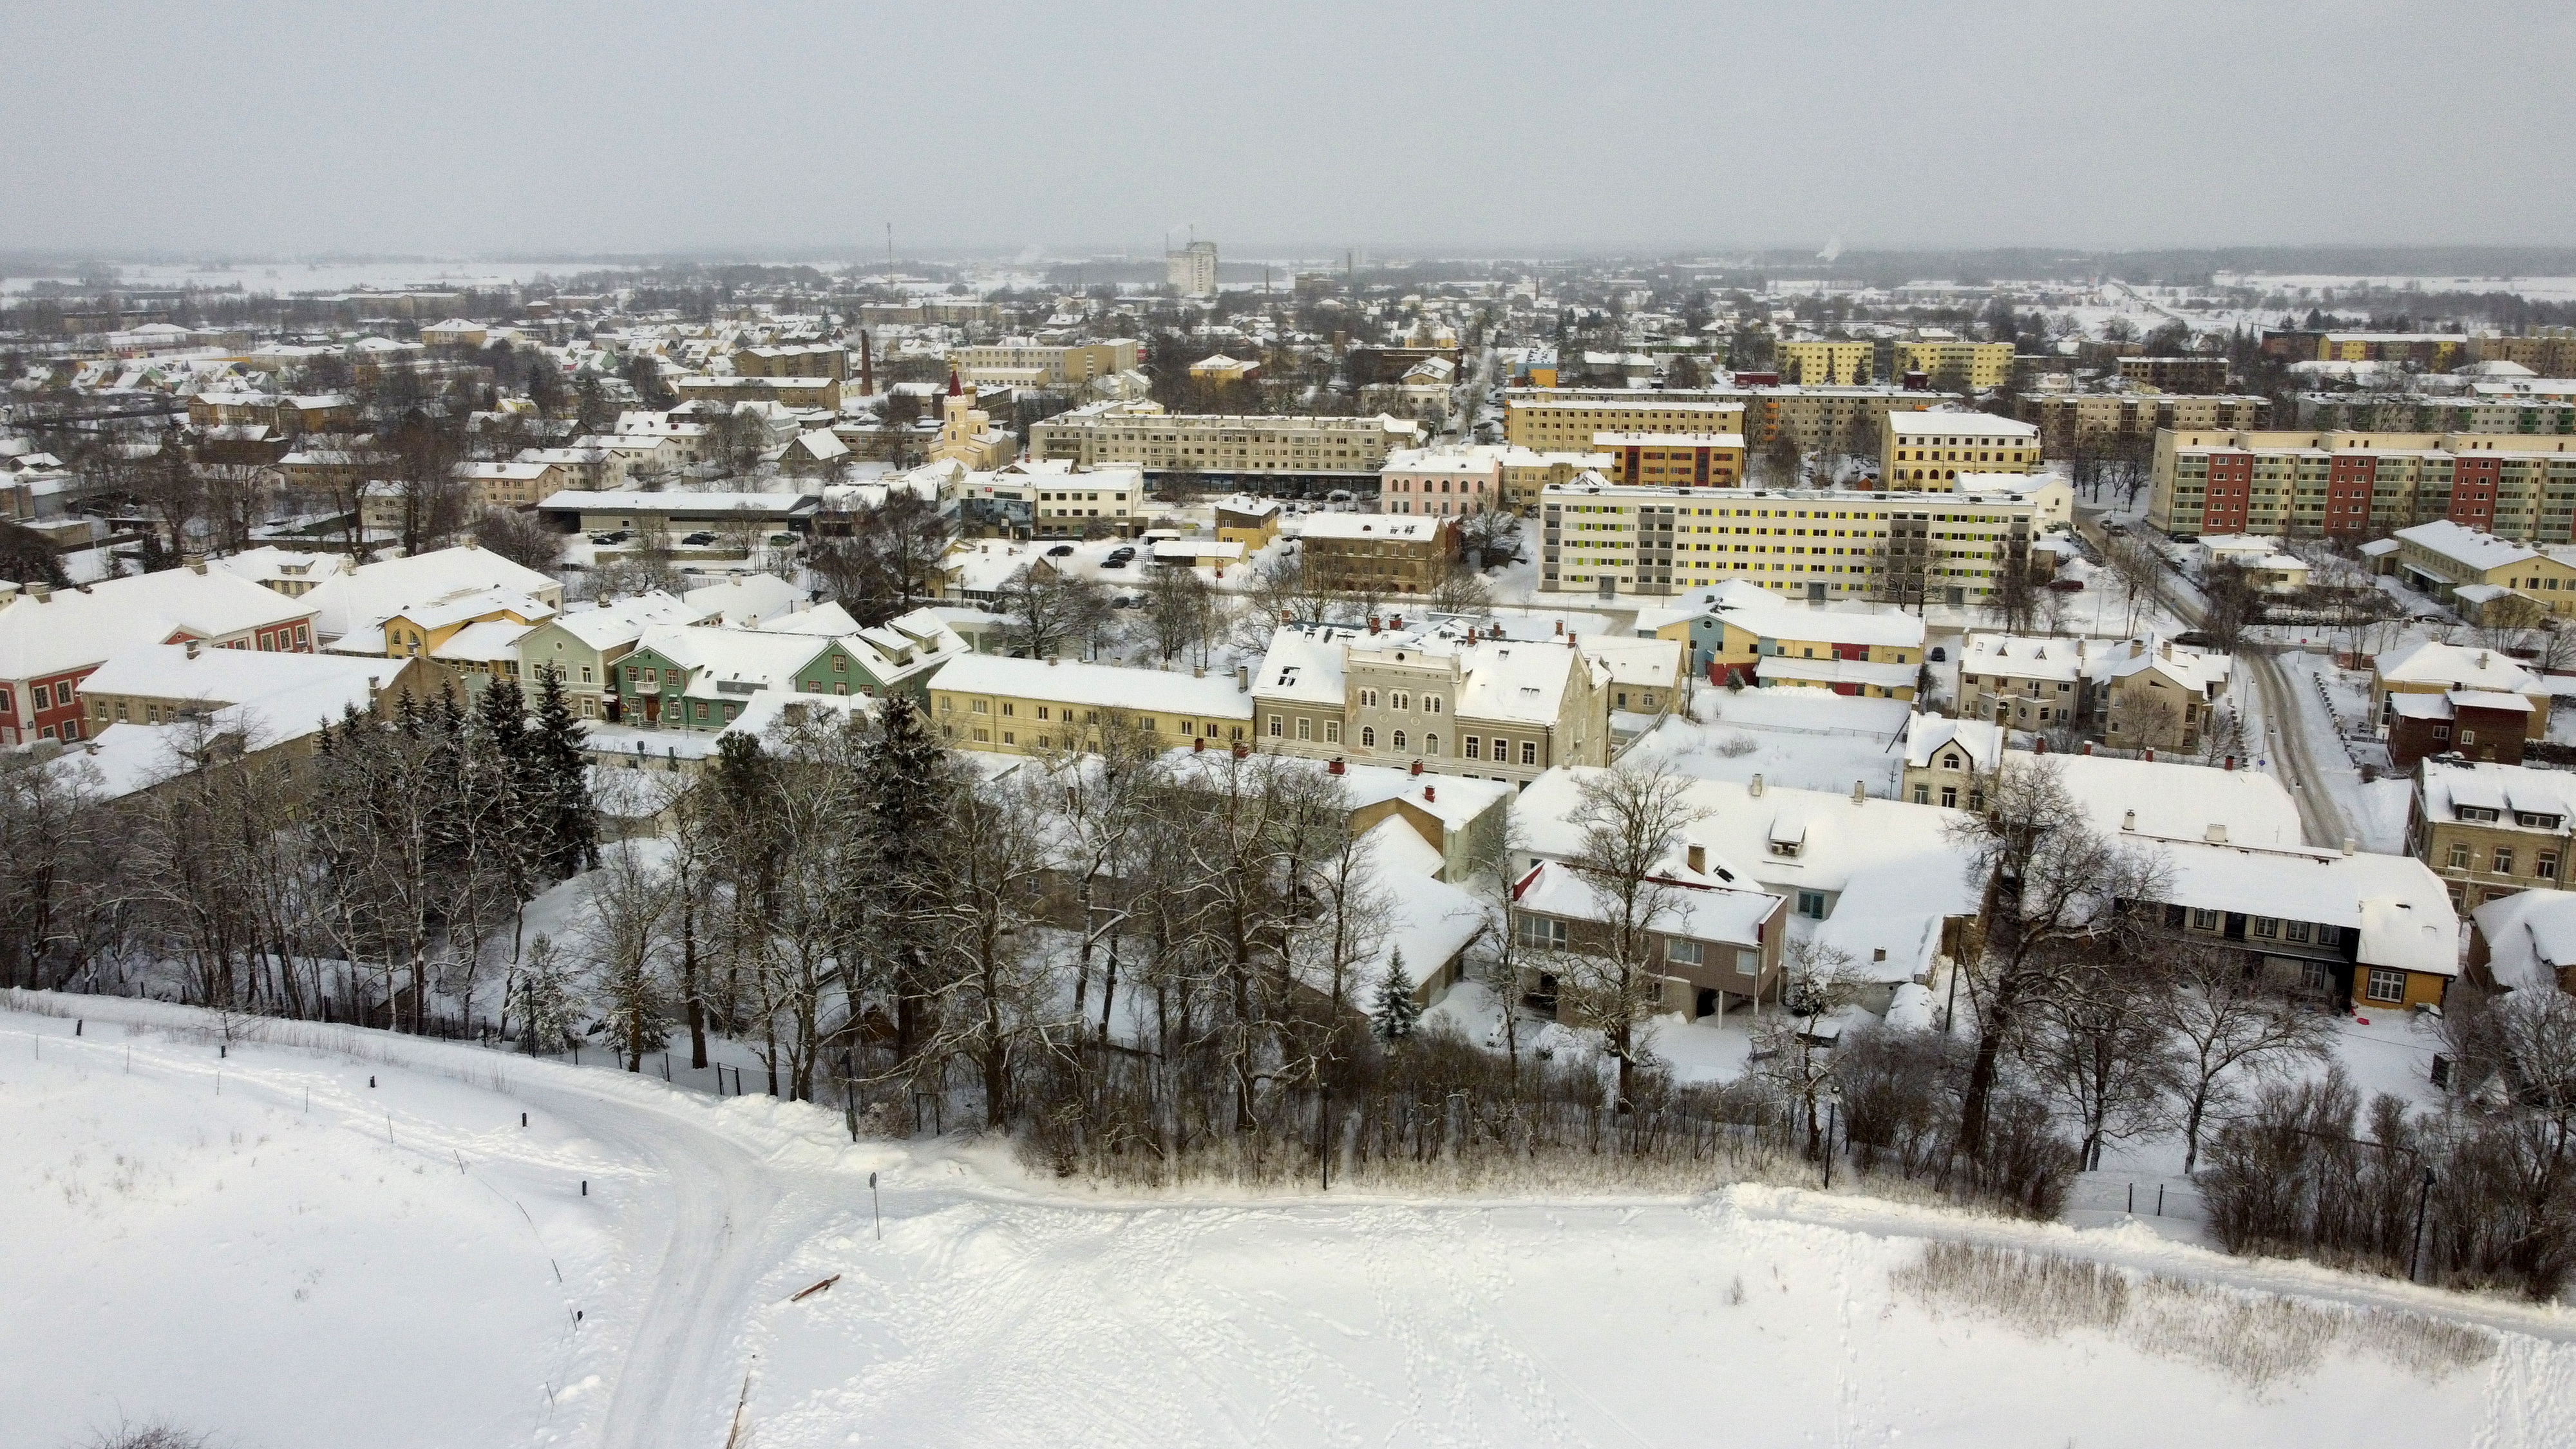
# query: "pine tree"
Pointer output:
{"type": "Point", "coordinates": [560, 782]}
{"type": "Point", "coordinates": [1397, 1015]}
{"type": "Point", "coordinates": [546, 998]}
{"type": "Point", "coordinates": [910, 785]}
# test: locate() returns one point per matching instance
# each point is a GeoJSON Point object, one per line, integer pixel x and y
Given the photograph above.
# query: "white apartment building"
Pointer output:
{"type": "Point", "coordinates": [1602, 538]}
{"type": "Point", "coordinates": [1021, 362]}
{"type": "Point", "coordinates": [1192, 269]}
{"type": "Point", "coordinates": [1927, 452]}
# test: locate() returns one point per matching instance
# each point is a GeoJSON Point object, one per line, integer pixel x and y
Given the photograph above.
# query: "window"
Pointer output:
{"type": "Point", "coordinates": [2267, 926]}
{"type": "Point", "coordinates": [2504, 860]}
{"type": "Point", "coordinates": [1431, 703]}
{"type": "Point", "coordinates": [1950, 797]}
{"type": "Point", "coordinates": [2298, 931]}
{"type": "Point", "coordinates": [1368, 699]}
{"type": "Point", "coordinates": [1399, 701]}
{"type": "Point", "coordinates": [1529, 752]}
{"type": "Point", "coordinates": [1368, 737]}
{"type": "Point", "coordinates": [1010, 707]}
{"type": "Point", "coordinates": [1812, 904]}
{"type": "Point", "coordinates": [1687, 953]}
{"type": "Point", "coordinates": [44, 696]}
{"type": "Point", "coordinates": [1275, 730]}
{"type": "Point", "coordinates": [2203, 920]}
{"type": "Point", "coordinates": [2545, 865]}
{"type": "Point", "coordinates": [1543, 933]}
{"type": "Point", "coordinates": [980, 706]}
{"type": "Point", "coordinates": [1397, 739]}
{"type": "Point", "coordinates": [2459, 857]}
{"type": "Point", "coordinates": [1475, 747]}
{"type": "Point", "coordinates": [1332, 732]}
{"type": "Point", "coordinates": [1305, 727]}
{"type": "Point", "coordinates": [2386, 984]}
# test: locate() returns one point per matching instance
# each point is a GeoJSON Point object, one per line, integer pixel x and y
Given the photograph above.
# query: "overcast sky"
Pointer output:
{"type": "Point", "coordinates": [537, 128]}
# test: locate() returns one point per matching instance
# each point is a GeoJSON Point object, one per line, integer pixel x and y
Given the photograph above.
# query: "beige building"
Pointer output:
{"type": "Point", "coordinates": [1926, 452]}
{"type": "Point", "coordinates": [2070, 422]}
{"type": "Point", "coordinates": [1811, 544]}
{"type": "Point", "coordinates": [822, 394]}
{"type": "Point", "coordinates": [1951, 762]}
{"type": "Point", "coordinates": [1815, 417]}
{"type": "Point", "coordinates": [2432, 667]}
{"type": "Point", "coordinates": [1490, 708]}
{"type": "Point", "coordinates": [1549, 424]}
{"type": "Point", "coordinates": [1009, 706]}
{"type": "Point", "coordinates": [1142, 435]}
{"type": "Point", "coordinates": [2491, 831]}
{"type": "Point", "coordinates": [2442, 558]}
{"type": "Point", "coordinates": [1527, 474]}
{"type": "Point", "coordinates": [1952, 362]}
{"type": "Point", "coordinates": [812, 359]}
{"type": "Point", "coordinates": [1020, 362]}
{"type": "Point", "coordinates": [1814, 362]}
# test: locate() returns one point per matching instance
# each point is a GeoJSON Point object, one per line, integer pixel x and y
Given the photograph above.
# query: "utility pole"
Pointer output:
{"type": "Point", "coordinates": [2423, 1196]}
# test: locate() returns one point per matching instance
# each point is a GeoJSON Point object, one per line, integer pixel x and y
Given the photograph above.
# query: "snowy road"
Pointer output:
{"type": "Point", "coordinates": [998, 1309]}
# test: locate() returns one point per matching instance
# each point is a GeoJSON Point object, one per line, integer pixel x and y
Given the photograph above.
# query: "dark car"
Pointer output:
{"type": "Point", "coordinates": [2067, 586]}
{"type": "Point", "coordinates": [1938, 654]}
{"type": "Point", "coordinates": [1119, 558]}
{"type": "Point", "coordinates": [1061, 550]}
{"type": "Point", "coordinates": [697, 540]}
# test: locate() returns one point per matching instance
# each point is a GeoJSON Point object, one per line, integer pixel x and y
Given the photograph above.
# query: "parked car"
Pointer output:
{"type": "Point", "coordinates": [1938, 654]}
{"type": "Point", "coordinates": [1119, 558]}
{"type": "Point", "coordinates": [699, 539]}
{"type": "Point", "coordinates": [1061, 550]}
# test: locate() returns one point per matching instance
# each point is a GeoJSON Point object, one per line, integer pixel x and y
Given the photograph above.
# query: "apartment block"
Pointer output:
{"type": "Point", "coordinates": [1952, 362]}
{"type": "Point", "coordinates": [2361, 485]}
{"type": "Point", "coordinates": [1020, 362]}
{"type": "Point", "coordinates": [2094, 422]}
{"type": "Point", "coordinates": [1926, 452]}
{"type": "Point", "coordinates": [1602, 538]}
{"type": "Point", "coordinates": [2550, 352]}
{"type": "Point", "coordinates": [1009, 706]}
{"type": "Point", "coordinates": [1570, 424]}
{"type": "Point", "coordinates": [1815, 417]}
{"type": "Point", "coordinates": [1451, 699]}
{"type": "Point", "coordinates": [2491, 831]}
{"type": "Point", "coordinates": [1377, 553]}
{"type": "Point", "coordinates": [1142, 435]}
{"type": "Point", "coordinates": [813, 359]}
{"type": "Point", "coordinates": [1673, 460]}
{"type": "Point", "coordinates": [2434, 351]}
{"type": "Point", "coordinates": [2500, 408]}
{"type": "Point", "coordinates": [1816, 363]}
{"type": "Point", "coordinates": [813, 393]}
{"type": "Point", "coordinates": [2176, 374]}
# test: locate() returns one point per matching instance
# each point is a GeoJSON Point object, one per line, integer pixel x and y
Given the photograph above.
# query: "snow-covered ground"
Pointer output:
{"type": "Point", "coordinates": [285, 1276]}
{"type": "Point", "coordinates": [1808, 739]}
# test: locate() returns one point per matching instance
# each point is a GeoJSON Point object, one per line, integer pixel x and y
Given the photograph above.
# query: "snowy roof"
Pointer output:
{"type": "Point", "coordinates": [484, 643]}
{"type": "Point", "coordinates": [2400, 908]}
{"type": "Point", "coordinates": [1987, 425]}
{"type": "Point", "coordinates": [230, 676]}
{"type": "Point", "coordinates": [2059, 659]}
{"type": "Point", "coordinates": [826, 620]}
{"type": "Point", "coordinates": [365, 597]}
{"type": "Point", "coordinates": [1656, 663]}
{"type": "Point", "coordinates": [2379, 548]}
{"type": "Point", "coordinates": [744, 600]}
{"type": "Point", "coordinates": [2508, 790]}
{"type": "Point", "coordinates": [78, 627]}
{"type": "Point", "coordinates": [2467, 547]}
{"type": "Point", "coordinates": [1150, 691]}
{"type": "Point", "coordinates": [1303, 664]}
{"type": "Point", "coordinates": [473, 604]}
{"type": "Point", "coordinates": [1730, 915]}
{"type": "Point", "coordinates": [2487, 699]}
{"type": "Point", "coordinates": [1373, 526]}
{"type": "Point", "coordinates": [1429, 920]}
{"type": "Point", "coordinates": [2169, 798]}
{"type": "Point", "coordinates": [759, 505]}
{"type": "Point", "coordinates": [1836, 671]}
{"type": "Point", "coordinates": [2530, 935]}
{"type": "Point", "coordinates": [2459, 667]}
{"type": "Point", "coordinates": [744, 658]}
{"type": "Point", "coordinates": [1766, 615]}
{"type": "Point", "coordinates": [1980, 741]}
{"type": "Point", "coordinates": [2198, 669]}
{"type": "Point", "coordinates": [624, 620]}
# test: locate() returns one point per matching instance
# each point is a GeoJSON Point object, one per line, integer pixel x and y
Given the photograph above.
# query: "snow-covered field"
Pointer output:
{"type": "Point", "coordinates": [287, 1276]}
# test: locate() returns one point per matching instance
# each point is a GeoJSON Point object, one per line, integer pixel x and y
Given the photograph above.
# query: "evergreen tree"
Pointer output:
{"type": "Point", "coordinates": [910, 785]}
{"type": "Point", "coordinates": [547, 1000]}
{"type": "Point", "coordinates": [1397, 1015]}
{"type": "Point", "coordinates": [560, 782]}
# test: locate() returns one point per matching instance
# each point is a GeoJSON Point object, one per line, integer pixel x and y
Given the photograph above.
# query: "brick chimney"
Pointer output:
{"type": "Point", "coordinates": [1336, 767]}
{"type": "Point", "coordinates": [1430, 794]}
{"type": "Point", "coordinates": [1698, 858]}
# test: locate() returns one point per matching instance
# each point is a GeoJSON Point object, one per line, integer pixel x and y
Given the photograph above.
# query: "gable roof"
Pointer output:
{"type": "Point", "coordinates": [78, 627]}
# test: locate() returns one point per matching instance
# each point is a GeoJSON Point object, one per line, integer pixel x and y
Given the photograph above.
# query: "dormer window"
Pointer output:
{"type": "Point", "coordinates": [2476, 812]}
{"type": "Point", "coordinates": [2535, 820]}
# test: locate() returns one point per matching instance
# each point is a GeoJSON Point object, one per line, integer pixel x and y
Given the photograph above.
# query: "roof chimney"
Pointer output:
{"type": "Point", "coordinates": [1243, 679]}
{"type": "Point", "coordinates": [1337, 767]}
{"type": "Point", "coordinates": [1755, 789]}
{"type": "Point", "coordinates": [2137, 647]}
{"type": "Point", "coordinates": [192, 648]}
{"type": "Point", "coordinates": [2482, 659]}
{"type": "Point", "coordinates": [2168, 649]}
{"type": "Point", "coordinates": [1698, 857]}
{"type": "Point", "coordinates": [1430, 794]}
{"type": "Point", "coordinates": [1859, 793]}
{"type": "Point", "coordinates": [41, 593]}
{"type": "Point", "coordinates": [1417, 767]}
{"type": "Point", "coordinates": [2129, 820]}
{"type": "Point", "coordinates": [1560, 626]}
{"type": "Point", "coordinates": [2216, 834]}
{"type": "Point", "coordinates": [2350, 845]}
{"type": "Point", "coordinates": [1198, 744]}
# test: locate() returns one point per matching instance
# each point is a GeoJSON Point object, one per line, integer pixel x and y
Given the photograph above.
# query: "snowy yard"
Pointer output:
{"type": "Point", "coordinates": [1807, 739]}
{"type": "Point", "coordinates": [289, 1277]}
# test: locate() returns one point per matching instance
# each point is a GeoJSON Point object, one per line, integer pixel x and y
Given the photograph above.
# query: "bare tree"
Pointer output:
{"type": "Point", "coordinates": [1049, 612]}
{"type": "Point", "coordinates": [522, 538]}
{"type": "Point", "coordinates": [1792, 1049]}
{"type": "Point", "coordinates": [2228, 1032]}
{"type": "Point", "coordinates": [2097, 1047]}
{"type": "Point", "coordinates": [626, 940]}
{"type": "Point", "coordinates": [1630, 818]}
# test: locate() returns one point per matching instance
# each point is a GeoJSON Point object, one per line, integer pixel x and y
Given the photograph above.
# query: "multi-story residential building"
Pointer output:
{"type": "Point", "coordinates": [1757, 637]}
{"type": "Point", "coordinates": [1378, 553]}
{"type": "Point", "coordinates": [1951, 762]}
{"type": "Point", "coordinates": [810, 394]}
{"type": "Point", "coordinates": [1926, 452]}
{"type": "Point", "coordinates": [1949, 362]}
{"type": "Point", "coordinates": [2024, 684]}
{"type": "Point", "coordinates": [2441, 558]}
{"type": "Point", "coordinates": [2095, 422]}
{"type": "Point", "coordinates": [1219, 447]}
{"type": "Point", "coordinates": [1713, 944]}
{"type": "Point", "coordinates": [51, 639]}
{"type": "Point", "coordinates": [311, 413]}
{"type": "Point", "coordinates": [1502, 709]}
{"type": "Point", "coordinates": [998, 705]}
{"type": "Point", "coordinates": [1815, 363]}
{"type": "Point", "coordinates": [2347, 928]}
{"type": "Point", "coordinates": [1022, 362]}
{"type": "Point", "coordinates": [1816, 417]}
{"type": "Point", "coordinates": [2146, 693]}
{"type": "Point", "coordinates": [157, 684]}
{"type": "Point", "coordinates": [1546, 423]}
{"type": "Point", "coordinates": [2491, 830]}
{"type": "Point", "coordinates": [1673, 460]}
{"type": "Point", "coordinates": [1448, 480]}
{"type": "Point", "coordinates": [2433, 671]}
{"type": "Point", "coordinates": [2523, 409]}
{"type": "Point", "coordinates": [2434, 351]}
{"type": "Point", "coordinates": [811, 359]}
{"type": "Point", "coordinates": [2176, 374]}
{"type": "Point", "coordinates": [1107, 502]}
{"type": "Point", "coordinates": [2548, 351]}
{"type": "Point", "coordinates": [1191, 271]}
{"type": "Point", "coordinates": [1251, 522]}
{"type": "Point", "coordinates": [1816, 544]}
{"type": "Point", "coordinates": [510, 485]}
{"type": "Point", "coordinates": [2362, 485]}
